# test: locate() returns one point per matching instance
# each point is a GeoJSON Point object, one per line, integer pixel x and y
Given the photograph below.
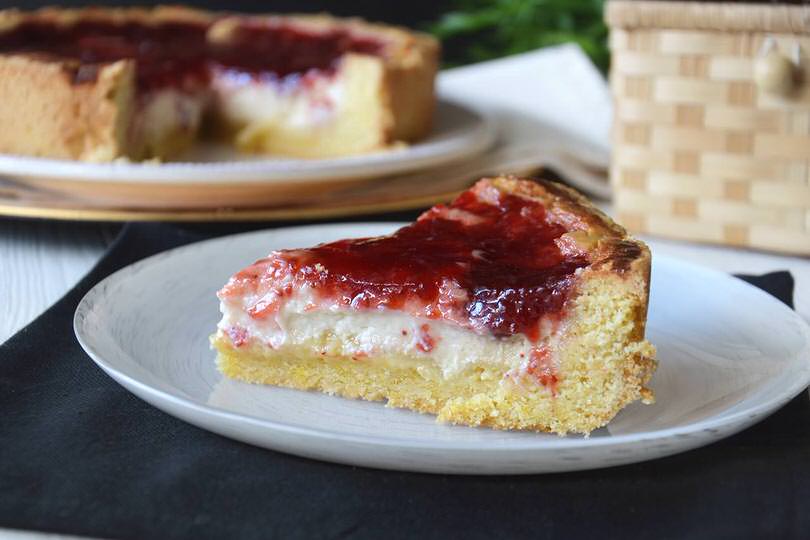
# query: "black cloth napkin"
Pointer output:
{"type": "Point", "coordinates": [81, 455]}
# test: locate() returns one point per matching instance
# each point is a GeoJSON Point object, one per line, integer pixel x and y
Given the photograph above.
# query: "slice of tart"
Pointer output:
{"type": "Point", "coordinates": [517, 306]}
{"type": "Point", "coordinates": [98, 84]}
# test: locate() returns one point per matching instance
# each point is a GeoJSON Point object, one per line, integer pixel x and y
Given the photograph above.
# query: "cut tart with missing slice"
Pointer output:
{"type": "Point", "coordinates": [99, 84]}
{"type": "Point", "coordinates": [517, 306]}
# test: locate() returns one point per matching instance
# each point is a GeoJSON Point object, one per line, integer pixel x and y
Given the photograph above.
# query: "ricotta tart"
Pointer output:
{"type": "Point", "coordinates": [99, 84]}
{"type": "Point", "coordinates": [517, 306]}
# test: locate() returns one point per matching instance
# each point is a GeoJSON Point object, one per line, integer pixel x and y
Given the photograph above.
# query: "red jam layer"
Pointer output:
{"type": "Point", "coordinates": [178, 54]}
{"type": "Point", "coordinates": [281, 49]}
{"type": "Point", "coordinates": [489, 261]}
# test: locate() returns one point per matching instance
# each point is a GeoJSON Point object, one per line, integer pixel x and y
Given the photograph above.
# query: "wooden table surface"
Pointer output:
{"type": "Point", "coordinates": [41, 260]}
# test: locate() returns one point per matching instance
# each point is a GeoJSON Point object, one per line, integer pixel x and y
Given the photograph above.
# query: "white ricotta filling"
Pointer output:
{"type": "Point", "coordinates": [164, 113]}
{"type": "Point", "coordinates": [374, 333]}
{"type": "Point", "coordinates": [244, 101]}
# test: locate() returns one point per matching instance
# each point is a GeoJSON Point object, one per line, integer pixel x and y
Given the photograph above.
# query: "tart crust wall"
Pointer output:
{"type": "Point", "coordinates": [54, 117]}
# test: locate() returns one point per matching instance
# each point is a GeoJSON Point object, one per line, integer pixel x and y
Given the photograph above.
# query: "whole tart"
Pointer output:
{"type": "Point", "coordinates": [517, 306]}
{"type": "Point", "coordinates": [98, 84]}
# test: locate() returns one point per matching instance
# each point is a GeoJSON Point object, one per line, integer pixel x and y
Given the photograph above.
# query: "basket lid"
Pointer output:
{"type": "Point", "coordinates": [719, 16]}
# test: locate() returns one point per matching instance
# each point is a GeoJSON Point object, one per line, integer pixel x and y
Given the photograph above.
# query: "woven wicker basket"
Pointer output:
{"type": "Point", "coordinates": [712, 121]}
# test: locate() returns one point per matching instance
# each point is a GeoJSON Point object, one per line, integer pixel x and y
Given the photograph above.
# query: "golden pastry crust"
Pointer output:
{"type": "Point", "coordinates": [55, 117]}
{"type": "Point", "coordinates": [390, 94]}
{"type": "Point", "coordinates": [618, 278]}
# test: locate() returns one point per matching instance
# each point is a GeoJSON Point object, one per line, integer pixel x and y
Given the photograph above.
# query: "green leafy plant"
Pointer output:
{"type": "Point", "coordinates": [476, 30]}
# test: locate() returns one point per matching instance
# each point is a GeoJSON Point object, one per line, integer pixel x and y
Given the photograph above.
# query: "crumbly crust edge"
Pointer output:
{"type": "Point", "coordinates": [614, 250]}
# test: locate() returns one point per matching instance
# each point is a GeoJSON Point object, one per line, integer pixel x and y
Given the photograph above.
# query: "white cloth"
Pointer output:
{"type": "Point", "coordinates": [551, 106]}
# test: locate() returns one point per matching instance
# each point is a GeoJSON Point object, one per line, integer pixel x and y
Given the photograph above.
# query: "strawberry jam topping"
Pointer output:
{"type": "Point", "coordinates": [282, 49]}
{"type": "Point", "coordinates": [489, 261]}
{"type": "Point", "coordinates": [541, 367]}
{"type": "Point", "coordinates": [178, 54]}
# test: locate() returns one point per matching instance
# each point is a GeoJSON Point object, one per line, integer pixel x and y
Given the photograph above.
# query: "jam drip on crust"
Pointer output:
{"type": "Point", "coordinates": [489, 261]}
{"type": "Point", "coordinates": [179, 54]}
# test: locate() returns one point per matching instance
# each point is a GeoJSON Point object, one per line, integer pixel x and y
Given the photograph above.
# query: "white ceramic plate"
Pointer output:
{"type": "Point", "coordinates": [729, 356]}
{"type": "Point", "coordinates": [458, 132]}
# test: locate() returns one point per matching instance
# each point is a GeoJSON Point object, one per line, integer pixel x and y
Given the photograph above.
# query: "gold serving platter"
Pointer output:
{"type": "Point", "coordinates": [324, 211]}
{"type": "Point", "coordinates": [217, 184]}
{"type": "Point", "coordinates": [379, 196]}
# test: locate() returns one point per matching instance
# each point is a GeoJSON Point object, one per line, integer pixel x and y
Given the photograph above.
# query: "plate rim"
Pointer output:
{"type": "Point", "coordinates": [736, 421]}
{"type": "Point", "coordinates": [414, 157]}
